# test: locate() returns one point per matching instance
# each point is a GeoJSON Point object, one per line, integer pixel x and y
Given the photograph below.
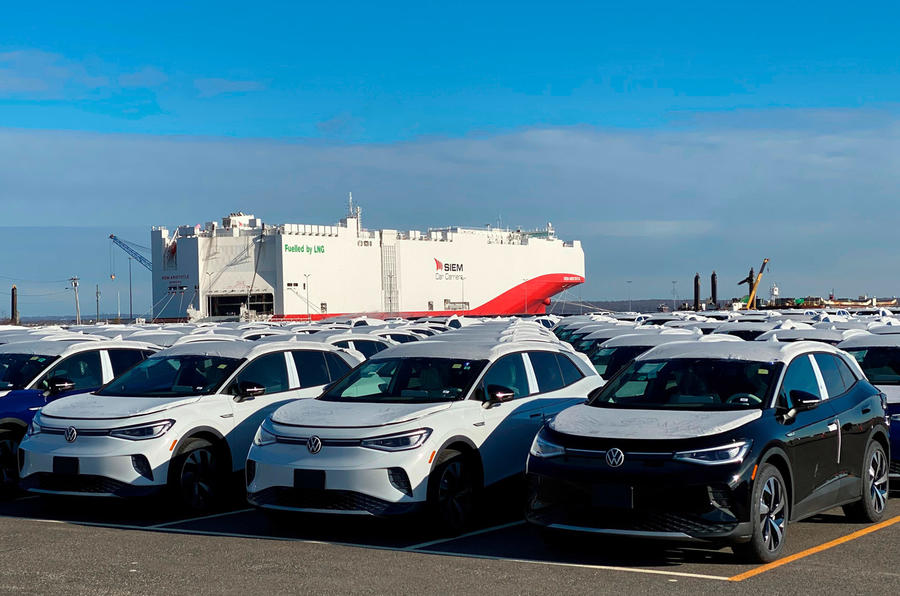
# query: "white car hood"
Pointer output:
{"type": "Point", "coordinates": [332, 414]}
{"type": "Point", "coordinates": [609, 423]}
{"type": "Point", "coordinates": [87, 406]}
{"type": "Point", "coordinates": [892, 392]}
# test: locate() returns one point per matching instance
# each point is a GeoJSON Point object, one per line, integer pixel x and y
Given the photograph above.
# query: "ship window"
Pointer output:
{"type": "Point", "coordinates": [230, 305]}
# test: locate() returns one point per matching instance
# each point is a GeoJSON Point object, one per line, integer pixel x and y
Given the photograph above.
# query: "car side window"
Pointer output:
{"type": "Point", "coordinates": [799, 376]}
{"type": "Point", "coordinates": [82, 369]}
{"type": "Point", "coordinates": [123, 359]}
{"type": "Point", "coordinates": [570, 372]}
{"type": "Point", "coordinates": [831, 374]}
{"type": "Point", "coordinates": [508, 372]}
{"type": "Point", "coordinates": [268, 371]}
{"type": "Point", "coordinates": [311, 367]}
{"type": "Point", "coordinates": [337, 367]}
{"type": "Point", "coordinates": [343, 344]}
{"type": "Point", "coordinates": [847, 373]}
{"type": "Point", "coordinates": [368, 348]}
{"type": "Point", "coordinates": [546, 369]}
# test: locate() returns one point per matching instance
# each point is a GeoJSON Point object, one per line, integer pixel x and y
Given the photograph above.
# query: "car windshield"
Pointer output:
{"type": "Point", "coordinates": [18, 370]}
{"type": "Point", "coordinates": [690, 384]}
{"type": "Point", "coordinates": [881, 364]}
{"type": "Point", "coordinates": [173, 376]}
{"type": "Point", "coordinates": [407, 380]}
{"type": "Point", "coordinates": [608, 361]}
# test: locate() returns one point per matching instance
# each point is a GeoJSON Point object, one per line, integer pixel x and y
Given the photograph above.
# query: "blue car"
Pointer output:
{"type": "Point", "coordinates": [879, 357]}
{"type": "Point", "coordinates": [36, 372]}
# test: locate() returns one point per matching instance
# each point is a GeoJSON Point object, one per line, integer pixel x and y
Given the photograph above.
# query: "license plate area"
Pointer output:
{"type": "Point", "coordinates": [65, 465]}
{"type": "Point", "coordinates": [613, 496]}
{"type": "Point", "coordinates": [309, 479]}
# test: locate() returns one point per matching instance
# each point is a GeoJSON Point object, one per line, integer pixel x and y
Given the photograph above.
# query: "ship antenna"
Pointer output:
{"type": "Point", "coordinates": [350, 211]}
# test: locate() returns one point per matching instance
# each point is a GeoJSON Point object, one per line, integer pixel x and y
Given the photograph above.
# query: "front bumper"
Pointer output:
{"type": "Point", "coordinates": [671, 502]}
{"type": "Point", "coordinates": [349, 480]}
{"type": "Point", "coordinates": [93, 466]}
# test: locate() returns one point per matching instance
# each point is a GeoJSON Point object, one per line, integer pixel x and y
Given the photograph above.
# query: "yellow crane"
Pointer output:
{"type": "Point", "coordinates": [753, 284]}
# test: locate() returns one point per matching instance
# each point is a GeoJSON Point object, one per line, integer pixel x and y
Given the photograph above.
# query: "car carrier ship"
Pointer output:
{"type": "Point", "coordinates": [300, 271]}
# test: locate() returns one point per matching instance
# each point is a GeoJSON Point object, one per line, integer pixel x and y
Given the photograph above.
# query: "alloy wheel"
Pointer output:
{"type": "Point", "coordinates": [878, 480]}
{"type": "Point", "coordinates": [771, 514]}
{"type": "Point", "coordinates": [198, 477]}
{"type": "Point", "coordinates": [455, 493]}
{"type": "Point", "coordinates": [9, 467]}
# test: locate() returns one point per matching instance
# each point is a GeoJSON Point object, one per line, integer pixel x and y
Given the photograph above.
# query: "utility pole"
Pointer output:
{"type": "Point", "coordinates": [306, 283]}
{"type": "Point", "coordinates": [98, 305]}
{"type": "Point", "coordinates": [74, 281]}
{"type": "Point", "coordinates": [629, 294]}
{"type": "Point", "coordinates": [674, 295]}
{"type": "Point", "coordinates": [118, 307]}
{"type": "Point", "coordinates": [130, 295]}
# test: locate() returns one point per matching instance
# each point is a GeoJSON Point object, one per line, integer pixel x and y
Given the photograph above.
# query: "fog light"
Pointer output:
{"type": "Point", "coordinates": [142, 466]}
{"type": "Point", "coordinates": [400, 480]}
{"type": "Point", "coordinates": [250, 471]}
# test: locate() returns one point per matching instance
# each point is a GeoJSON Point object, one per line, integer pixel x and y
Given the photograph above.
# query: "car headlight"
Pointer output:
{"type": "Point", "coordinates": [263, 437]}
{"type": "Point", "coordinates": [542, 447]}
{"type": "Point", "coordinates": [398, 442]}
{"type": "Point", "coordinates": [34, 428]}
{"type": "Point", "coordinates": [726, 454]}
{"type": "Point", "coordinates": [141, 432]}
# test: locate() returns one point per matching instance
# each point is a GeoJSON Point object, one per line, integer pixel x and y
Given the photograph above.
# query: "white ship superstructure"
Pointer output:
{"type": "Point", "coordinates": [299, 271]}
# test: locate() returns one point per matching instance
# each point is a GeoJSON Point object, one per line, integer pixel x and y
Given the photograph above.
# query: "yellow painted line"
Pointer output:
{"type": "Point", "coordinates": [814, 550]}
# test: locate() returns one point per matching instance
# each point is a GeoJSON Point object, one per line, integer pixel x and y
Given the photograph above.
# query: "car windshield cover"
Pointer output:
{"type": "Point", "coordinates": [608, 361]}
{"type": "Point", "coordinates": [17, 370]}
{"type": "Point", "coordinates": [690, 384]}
{"type": "Point", "coordinates": [407, 380]}
{"type": "Point", "coordinates": [881, 364]}
{"type": "Point", "coordinates": [173, 376]}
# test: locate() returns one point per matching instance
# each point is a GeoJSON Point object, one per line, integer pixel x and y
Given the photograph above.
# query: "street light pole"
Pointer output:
{"type": "Point", "coordinates": [130, 294]}
{"type": "Point", "coordinates": [306, 283]}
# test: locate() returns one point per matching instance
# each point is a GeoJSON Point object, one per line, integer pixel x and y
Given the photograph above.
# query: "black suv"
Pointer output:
{"type": "Point", "coordinates": [715, 442]}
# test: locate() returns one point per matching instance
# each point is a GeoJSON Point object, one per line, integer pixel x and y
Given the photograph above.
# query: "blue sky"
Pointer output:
{"type": "Point", "coordinates": [668, 137]}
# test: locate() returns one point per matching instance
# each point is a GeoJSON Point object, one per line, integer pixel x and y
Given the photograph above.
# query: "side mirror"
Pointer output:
{"type": "Point", "coordinates": [60, 385]}
{"type": "Point", "coordinates": [247, 390]}
{"type": "Point", "coordinates": [802, 401]}
{"type": "Point", "coordinates": [497, 394]}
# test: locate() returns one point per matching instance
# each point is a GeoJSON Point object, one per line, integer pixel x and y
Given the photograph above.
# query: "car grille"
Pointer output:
{"type": "Point", "coordinates": [330, 500]}
{"type": "Point", "coordinates": [77, 483]}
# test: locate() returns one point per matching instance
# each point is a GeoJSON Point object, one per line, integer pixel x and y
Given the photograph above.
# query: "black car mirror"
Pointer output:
{"type": "Point", "coordinates": [247, 390]}
{"type": "Point", "coordinates": [804, 401]}
{"type": "Point", "coordinates": [497, 394]}
{"type": "Point", "coordinates": [59, 385]}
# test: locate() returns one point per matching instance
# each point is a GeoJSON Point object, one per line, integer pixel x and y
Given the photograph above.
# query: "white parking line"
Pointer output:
{"type": "Point", "coordinates": [469, 535]}
{"type": "Point", "coordinates": [170, 530]}
{"type": "Point", "coordinates": [202, 517]}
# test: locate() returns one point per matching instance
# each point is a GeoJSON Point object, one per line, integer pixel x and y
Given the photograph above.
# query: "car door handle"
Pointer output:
{"type": "Point", "coordinates": [536, 415]}
{"type": "Point", "coordinates": [866, 410]}
{"type": "Point", "coordinates": [833, 426]}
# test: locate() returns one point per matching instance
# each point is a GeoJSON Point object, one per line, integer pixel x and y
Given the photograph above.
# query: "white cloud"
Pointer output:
{"type": "Point", "coordinates": [45, 75]}
{"type": "Point", "coordinates": [145, 77]}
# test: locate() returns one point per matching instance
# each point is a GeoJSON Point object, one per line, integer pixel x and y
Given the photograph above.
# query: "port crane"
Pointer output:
{"type": "Point", "coordinates": [753, 283]}
{"type": "Point", "coordinates": [131, 252]}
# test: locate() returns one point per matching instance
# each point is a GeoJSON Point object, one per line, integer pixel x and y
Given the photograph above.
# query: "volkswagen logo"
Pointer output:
{"type": "Point", "coordinates": [314, 444]}
{"type": "Point", "coordinates": [615, 457]}
{"type": "Point", "coordinates": [71, 434]}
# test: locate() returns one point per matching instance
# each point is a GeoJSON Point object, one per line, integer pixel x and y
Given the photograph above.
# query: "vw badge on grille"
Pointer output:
{"type": "Point", "coordinates": [615, 457]}
{"type": "Point", "coordinates": [71, 434]}
{"type": "Point", "coordinates": [314, 444]}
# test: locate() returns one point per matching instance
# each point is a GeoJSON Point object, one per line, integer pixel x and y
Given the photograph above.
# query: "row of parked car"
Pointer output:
{"type": "Point", "coordinates": [686, 435]}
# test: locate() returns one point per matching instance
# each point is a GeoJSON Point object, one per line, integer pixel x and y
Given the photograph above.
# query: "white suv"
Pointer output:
{"type": "Point", "coordinates": [183, 418]}
{"type": "Point", "coordinates": [428, 422]}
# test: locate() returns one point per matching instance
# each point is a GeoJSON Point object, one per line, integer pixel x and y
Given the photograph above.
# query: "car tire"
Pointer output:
{"type": "Point", "coordinates": [769, 513]}
{"type": "Point", "coordinates": [9, 463]}
{"type": "Point", "coordinates": [451, 492]}
{"type": "Point", "coordinates": [196, 480]}
{"type": "Point", "coordinates": [875, 482]}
